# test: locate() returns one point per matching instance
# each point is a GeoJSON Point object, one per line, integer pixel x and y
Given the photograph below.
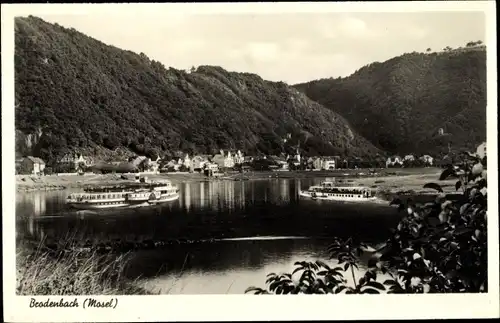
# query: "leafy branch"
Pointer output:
{"type": "Point", "coordinates": [438, 247]}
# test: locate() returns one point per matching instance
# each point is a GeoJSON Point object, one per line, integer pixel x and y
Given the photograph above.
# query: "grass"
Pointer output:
{"type": "Point", "coordinates": [41, 271]}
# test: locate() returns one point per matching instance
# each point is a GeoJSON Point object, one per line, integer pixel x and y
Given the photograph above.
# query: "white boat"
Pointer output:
{"type": "Point", "coordinates": [131, 195]}
{"type": "Point", "coordinates": [343, 192]}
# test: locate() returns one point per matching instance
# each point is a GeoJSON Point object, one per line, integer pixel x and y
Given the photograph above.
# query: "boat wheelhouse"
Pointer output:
{"type": "Point", "coordinates": [117, 196]}
{"type": "Point", "coordinates": [339, 191]}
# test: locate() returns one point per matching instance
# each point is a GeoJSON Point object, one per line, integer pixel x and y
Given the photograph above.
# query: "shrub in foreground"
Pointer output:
{"type": "Point", "coordinates": [438, 247]}
{"type": "Point", "coordinates": [63, 272]}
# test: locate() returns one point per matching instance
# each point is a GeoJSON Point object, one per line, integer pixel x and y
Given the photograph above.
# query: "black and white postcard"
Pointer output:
{"type": "Point", "coordinates": [249, 161]}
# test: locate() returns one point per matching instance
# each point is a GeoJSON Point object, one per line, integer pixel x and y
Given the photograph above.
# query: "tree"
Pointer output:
{"type": "Point", "coordinates": [438, 247]}
{"type": "Point", "coordinates": [133, 96]}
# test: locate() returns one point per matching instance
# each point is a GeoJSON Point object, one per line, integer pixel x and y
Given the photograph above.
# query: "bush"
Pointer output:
{"type": "Point", "coordinates": [43, 271]}
{"type": "Point", "coordinates": [438, 247]}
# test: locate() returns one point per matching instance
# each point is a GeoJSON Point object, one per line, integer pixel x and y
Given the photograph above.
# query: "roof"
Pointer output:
{"type": "Point", "coordinates": [138, 160]}
{"type": "Point", "coordinates": [35, 160]}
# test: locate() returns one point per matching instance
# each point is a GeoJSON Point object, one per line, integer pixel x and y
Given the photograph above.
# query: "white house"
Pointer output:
{"type": "Point", "coordinates": [481, 150]}
{"type": "Point", "coordinates": [32, 165]}
{"type": "Point", "coordinates": [187, 162]}
{"type": "Point", "coordinates": [391, 161]}
{"type": "Point", "coordinates": [154, 165]}
{"type": "Point", "coordinates": [212, 167]}
{"type": "Point", "coordinates": [140, 162]}
{"type": "Point", "coordinates": [198, 162]}
{"type": "Point", "coordinates": [409, 158]}
{"type": "Point", "coordinates": [427, 160]}
{"type": "Point", "coordinates": [317, 163]}
{"type": "Point", "coordinates": [219, 159]}
{"type": "Point", "coordinates": [72, 162]}
{"type": "Point", "coordinates": [239, 158]}
{"type": "Point", "coordinates": [329, 164]}
{"type": "Point", "coordinates": [297, 156]}
{"type": "Point", "coordinates": [173, 164]}
{"type": "Point", "coordinates": [229, 161]}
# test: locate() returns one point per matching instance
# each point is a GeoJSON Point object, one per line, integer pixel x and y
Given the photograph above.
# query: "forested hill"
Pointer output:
{"type": "Point", "coordinates": [402, 103]}
{"type": "Point", "coordinates": [74, 93]}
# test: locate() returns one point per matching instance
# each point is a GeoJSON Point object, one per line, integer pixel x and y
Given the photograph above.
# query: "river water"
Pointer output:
{"type": "Point", "coordinates": [252, 228]}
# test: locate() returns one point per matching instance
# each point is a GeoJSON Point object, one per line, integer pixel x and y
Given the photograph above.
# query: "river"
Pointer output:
{"type": "Point", "coordinates": [253, 228]}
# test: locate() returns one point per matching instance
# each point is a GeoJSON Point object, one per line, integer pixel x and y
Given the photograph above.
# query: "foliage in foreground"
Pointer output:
{"type": "Point", "coordinates": [438, 247]}
{"type": "Point", "coordinates": [46, 272]}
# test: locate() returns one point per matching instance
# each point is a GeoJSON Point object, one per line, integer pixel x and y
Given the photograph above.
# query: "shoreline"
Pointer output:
{"type": "Point", "coordinates": [382, 180]}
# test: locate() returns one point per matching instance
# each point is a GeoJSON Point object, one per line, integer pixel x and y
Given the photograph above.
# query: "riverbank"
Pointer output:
{"type": "Point", "coordinates": [387, 180]}
{"type": "Point", "coordinates": [41, 271]}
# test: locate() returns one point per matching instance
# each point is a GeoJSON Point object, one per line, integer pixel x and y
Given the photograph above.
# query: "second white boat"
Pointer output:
{"type": "Point", "coordinates": [342, 192]}
{"type": "Point", "coordinates": [106, 197]}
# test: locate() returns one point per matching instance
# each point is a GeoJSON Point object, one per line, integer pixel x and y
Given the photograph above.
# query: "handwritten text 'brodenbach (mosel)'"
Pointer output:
{"type": "Point", "coordinates": [87, 303]}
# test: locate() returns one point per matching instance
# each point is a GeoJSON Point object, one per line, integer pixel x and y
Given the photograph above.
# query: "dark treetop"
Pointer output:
{"type": "Point", "coordinates": [76, 93]}
{"type": "Point", "coordinates": [401, 104]}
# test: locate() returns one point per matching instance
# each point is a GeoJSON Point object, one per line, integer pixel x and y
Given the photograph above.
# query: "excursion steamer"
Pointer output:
{"type": "Point", "coordinates": [341, 192]}
{"type": "Point", "coordinates": [106, 197]}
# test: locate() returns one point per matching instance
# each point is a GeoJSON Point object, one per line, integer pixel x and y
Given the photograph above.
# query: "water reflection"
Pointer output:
{"type": "Point", "coordinates": [213, 210]}
{"type": "Point", "coordinates": [207, 210]}
{"type": "Point", "coordinates": [225, 267]}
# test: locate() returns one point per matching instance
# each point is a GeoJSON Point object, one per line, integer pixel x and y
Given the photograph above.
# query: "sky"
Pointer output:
{"type": "Point", "coordinates": [288, 47]}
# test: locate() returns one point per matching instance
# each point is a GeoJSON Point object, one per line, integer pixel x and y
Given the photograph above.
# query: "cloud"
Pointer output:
{"type": "Point", "coordinates": [263, 51]}
{"type": "Point", "coordinates": [417, 32]}
{"type": "Point", "coordinates": [353, 26]}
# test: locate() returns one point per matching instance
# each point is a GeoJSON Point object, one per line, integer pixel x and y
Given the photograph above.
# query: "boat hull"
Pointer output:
{"type": "Point", "coordinates": [164, 199]}
{"type": "Point", "coordinates": [91, 206]}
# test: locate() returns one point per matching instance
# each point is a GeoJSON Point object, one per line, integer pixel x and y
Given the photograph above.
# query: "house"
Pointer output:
{"type": "Point", "coordinates": [409, 158]}
{"type": "Point", "coordinates": [295, 160]}
{"type": "Point", "coordinates": [394, 161]}
{"type": "Point", "coordinates": [239, 158]}
{"type": "Point", "coordinates": [32, 165]}
{"type": "Point", "coordinates": [198, 162]}
{"type": "Point", "coordinates": [481, 150]}
{"type": "Point", "coordinates": [219, 159]}
{"type": "Point", "coordinates": [428, 160]}
{"type": "Point", "coordinates": [72, 163]}
{"type": "Point", "coordinates": [140, 163]}
{"type": "Point", "coordinates": [172, 165]}
{"type": "Point", "coordinates": [154, 165]}
{"type": "Point", "coordinates": [186, 161]}
{"type": "Point", "coordinates": [329, 164]}
{"type": "Point", "coordinates": [297, 156]}
{"type": "Point", "coordinates": [211, 169]}
{"type": "Point", "coordinates": [310, 162]}
{"type": "Point", "coordinates": [247, 159]}
{"type": "Point", "coordinates": [317, 163]}
{"type": "Point", "coordinates": [282, 163]}
{"type": "Point", "coordinates": [229, 161]}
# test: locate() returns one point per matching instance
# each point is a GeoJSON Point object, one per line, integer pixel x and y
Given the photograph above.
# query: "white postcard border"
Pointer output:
{"type": "Point", "coordinates": [247, 307]}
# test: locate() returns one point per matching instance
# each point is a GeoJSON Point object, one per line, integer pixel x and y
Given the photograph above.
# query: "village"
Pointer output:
{"type": "Point", "coordinates": [216, 165]}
